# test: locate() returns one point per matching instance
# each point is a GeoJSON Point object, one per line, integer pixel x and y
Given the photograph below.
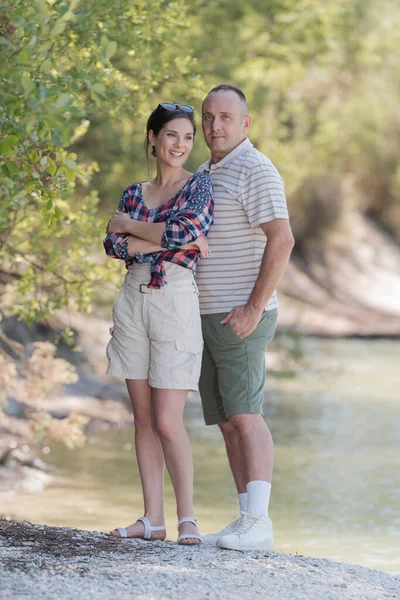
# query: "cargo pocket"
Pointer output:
{"type": "Point", "coordinates": [185, 368]}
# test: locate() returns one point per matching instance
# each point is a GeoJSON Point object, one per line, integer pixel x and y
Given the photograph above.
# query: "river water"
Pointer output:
{"type": "Point", "coordinates": [335, 419]}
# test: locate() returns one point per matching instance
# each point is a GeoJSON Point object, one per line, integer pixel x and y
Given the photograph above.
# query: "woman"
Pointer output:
{"type": "Point", "coordinates": [156, 342]}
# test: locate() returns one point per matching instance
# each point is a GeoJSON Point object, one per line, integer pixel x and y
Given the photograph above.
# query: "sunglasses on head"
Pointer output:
{"type": "Point", "coordinates": [169, 106]}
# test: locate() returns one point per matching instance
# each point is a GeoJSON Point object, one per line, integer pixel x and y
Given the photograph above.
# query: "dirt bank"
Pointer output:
{"type": "Point", "coordinates": [347, 286]}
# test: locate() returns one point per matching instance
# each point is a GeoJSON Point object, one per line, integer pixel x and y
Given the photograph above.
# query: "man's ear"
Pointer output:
{"type": "Point", "coordinates": [247, 123]}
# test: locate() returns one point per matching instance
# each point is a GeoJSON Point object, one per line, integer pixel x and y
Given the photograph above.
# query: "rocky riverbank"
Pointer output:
{"type": "Point", "coordinates": [50, 563]}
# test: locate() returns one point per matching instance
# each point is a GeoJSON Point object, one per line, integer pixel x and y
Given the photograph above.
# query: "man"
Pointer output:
{"type": "Point", "coordinates": [251, 242]}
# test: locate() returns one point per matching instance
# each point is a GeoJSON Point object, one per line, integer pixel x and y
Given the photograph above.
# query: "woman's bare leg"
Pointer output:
{"type": "Point", "coordinates": [150, 458]}
{"type": "Point", "coordinates": [168, 408]}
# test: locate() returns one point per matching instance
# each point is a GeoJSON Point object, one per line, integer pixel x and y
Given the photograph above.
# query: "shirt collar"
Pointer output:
{"type": "Point", "coordinates": [209, 167]}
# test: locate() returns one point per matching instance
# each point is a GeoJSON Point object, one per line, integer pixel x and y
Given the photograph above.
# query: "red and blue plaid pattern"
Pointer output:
{"type": "Point", "coordinates": [188, 215]}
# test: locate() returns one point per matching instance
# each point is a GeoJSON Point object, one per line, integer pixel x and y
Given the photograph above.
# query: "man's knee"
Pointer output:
{"type": "Point", "coordinates": [244, 423]}
{"type": "Point", "coordinates": [237, 425]}
{"type": "Point", "coordinates": [227, 429]}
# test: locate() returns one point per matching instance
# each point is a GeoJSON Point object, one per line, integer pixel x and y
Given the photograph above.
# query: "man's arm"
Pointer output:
{"type": "Point", "coordinates": [244, 319]}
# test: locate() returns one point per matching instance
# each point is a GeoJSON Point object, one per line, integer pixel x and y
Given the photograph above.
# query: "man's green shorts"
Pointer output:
{"type": "Point", "coordinates": [233, 369]}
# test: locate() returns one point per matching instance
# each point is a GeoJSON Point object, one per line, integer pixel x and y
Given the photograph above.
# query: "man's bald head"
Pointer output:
{"type": "Point", "coordinates": [225, 87]}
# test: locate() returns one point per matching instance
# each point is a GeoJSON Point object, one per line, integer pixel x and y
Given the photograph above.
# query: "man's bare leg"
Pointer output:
{"type": "Point", "coordinates": [235, 456]}
{"type": "Point", "coordinates": [256, 447]}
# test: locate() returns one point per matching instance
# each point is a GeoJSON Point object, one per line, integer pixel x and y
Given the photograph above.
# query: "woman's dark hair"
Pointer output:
{"type": "Point", "coordinates": [158, 118]}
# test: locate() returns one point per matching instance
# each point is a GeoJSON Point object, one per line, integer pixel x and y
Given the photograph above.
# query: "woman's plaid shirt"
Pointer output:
{"type": "Point", "coordinates": [187, 215]}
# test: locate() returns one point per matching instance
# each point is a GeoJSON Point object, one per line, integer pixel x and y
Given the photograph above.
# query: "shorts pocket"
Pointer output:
{"type": "Point", "coordinates": [187, 361]}
{"type": "Point", "coordinates": [186, 309]}
{"type": "Point", "coordinates": [230, 337]}
{"type": "Point", "coordinates": [233, 332]}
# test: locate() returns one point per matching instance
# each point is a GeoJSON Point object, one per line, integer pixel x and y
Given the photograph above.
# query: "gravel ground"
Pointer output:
{"type": "Point", "coordinates": [50, 563]}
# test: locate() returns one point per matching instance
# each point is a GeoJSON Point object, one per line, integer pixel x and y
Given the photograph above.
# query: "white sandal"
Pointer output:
{"type": "Point", "coordinates": [188, 535]}
{"type": "Point", "coordinates": [148, 529]}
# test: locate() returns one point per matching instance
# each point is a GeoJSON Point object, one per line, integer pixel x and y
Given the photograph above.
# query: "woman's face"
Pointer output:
{"type": "Point", "coordinates": [174, 142]}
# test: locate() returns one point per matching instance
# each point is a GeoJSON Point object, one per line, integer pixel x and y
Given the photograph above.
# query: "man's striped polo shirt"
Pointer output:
{"type": "Point", "coordinates": [248, 191]}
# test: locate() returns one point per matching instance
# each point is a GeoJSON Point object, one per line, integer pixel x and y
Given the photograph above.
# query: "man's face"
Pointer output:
{"type": "Point", "coordinates": [225, 122]}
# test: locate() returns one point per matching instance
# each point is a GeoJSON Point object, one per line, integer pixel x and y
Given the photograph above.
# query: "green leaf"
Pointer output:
{"type": "Point", "coordinates": [110, 50]}
{"type": "Point", "coordinates": [12, 168]}
{"type": "Point", "coordinates": [51, 166]}
{"type": "Point", "coordinates": [28, 85]}
{"type": "Point", "coordinates": [71, 164]}
{"type": "Point", "coordinates": [23, 57]}
{"type": "Point", "coordinates": [47, 65]}
{"type": "Point", "coordinates": [99, 88]}
{"type": "Point", "coordinates": [63, 100]}
{"type": "Point", "coordinates": [57, 139]}
{"type": "Point", "coordinates": [7, 145]}
{"type": "Point", "coordinates": [69, 174]}
{"type": "Point", "coordinates": [58, 28]}
{"type": "Point", "coordinates": [8, 152]}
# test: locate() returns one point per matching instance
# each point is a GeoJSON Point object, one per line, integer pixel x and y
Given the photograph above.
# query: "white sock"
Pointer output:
{"type": "Point", "coordinates": [258, 493]}
{"type": "Point", "coordinates": [242, 497]}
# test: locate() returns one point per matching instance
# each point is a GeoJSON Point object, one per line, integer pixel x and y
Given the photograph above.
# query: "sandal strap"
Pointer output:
{"type": "Point", "coordinates": [149, 528]}
{"type": "Point", "coordinates": [122, 532]}
{"type": "Point", "coordinates": [187, 520]}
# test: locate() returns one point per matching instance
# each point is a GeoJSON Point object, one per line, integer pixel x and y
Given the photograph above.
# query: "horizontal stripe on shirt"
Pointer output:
{"type": "Point", "coordinates": [248, 191]}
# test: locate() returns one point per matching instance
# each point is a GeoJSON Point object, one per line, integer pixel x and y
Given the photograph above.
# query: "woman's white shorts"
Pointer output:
{"type": "Point", "coordinates": [157, 333]}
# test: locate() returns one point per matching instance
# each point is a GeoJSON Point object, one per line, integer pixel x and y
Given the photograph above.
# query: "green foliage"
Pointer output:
{"type": "Point", "coordinates": [80, 78]}
{"type": "Point", "coordinates": [322, 81]}
{"type": "Point", "coordinates": [61, 63]}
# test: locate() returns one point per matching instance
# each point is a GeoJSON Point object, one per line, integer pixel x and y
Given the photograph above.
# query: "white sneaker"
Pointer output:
{"type": "Point", "coordinates": [252, 533]}
{"type": "Point", "coordinates": [211, 538]}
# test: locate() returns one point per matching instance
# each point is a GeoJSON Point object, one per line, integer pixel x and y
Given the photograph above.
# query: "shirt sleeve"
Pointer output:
{"type": "Point", "coordinates": [263, 195]}
{"type": "Point", "coordinates": [195, 216]}
{"type": "Point", "coordinates": [116, 244]}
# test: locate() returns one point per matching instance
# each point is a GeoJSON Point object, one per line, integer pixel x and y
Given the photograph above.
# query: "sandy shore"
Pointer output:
{"type": "Point", "coordinates": [51, 563]}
